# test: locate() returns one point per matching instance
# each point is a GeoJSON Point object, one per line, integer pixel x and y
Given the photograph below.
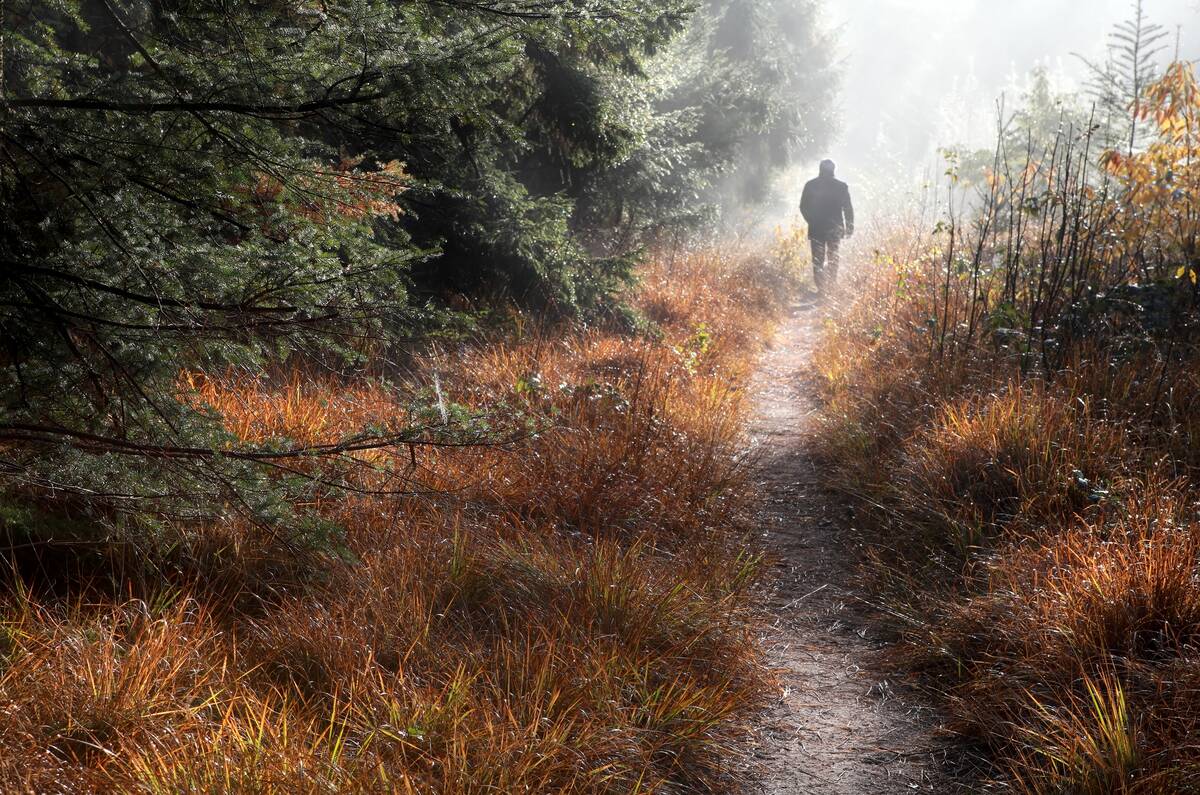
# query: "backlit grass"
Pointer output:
{"type": "Point", "coordinates": [1037, 531]}
{"type": "Point", "coordinates": [568, 609]}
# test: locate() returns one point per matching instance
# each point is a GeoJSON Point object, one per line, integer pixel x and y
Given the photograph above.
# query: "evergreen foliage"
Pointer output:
{"type": "Point", "coordinates": [192, 185]}
{"type": "Point", "coordinates": [1117, 84]}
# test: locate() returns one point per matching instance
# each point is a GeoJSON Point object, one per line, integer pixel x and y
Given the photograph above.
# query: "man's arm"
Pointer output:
{"type": "Point", "coordinates": [806, 203]}
{"type": "Point", "coordinates": [848, 212]}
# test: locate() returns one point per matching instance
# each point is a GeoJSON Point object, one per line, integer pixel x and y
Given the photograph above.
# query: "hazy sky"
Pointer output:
{"type": "Point", "coordinates": [920, 73]}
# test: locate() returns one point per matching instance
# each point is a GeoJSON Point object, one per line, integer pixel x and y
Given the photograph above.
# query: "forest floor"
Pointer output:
{"type": "Point", "coordinates": [840, 725]}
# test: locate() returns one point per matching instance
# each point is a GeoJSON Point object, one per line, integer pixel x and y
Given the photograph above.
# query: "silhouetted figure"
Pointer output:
{"type": "Point", "coordinates": [826, 207]}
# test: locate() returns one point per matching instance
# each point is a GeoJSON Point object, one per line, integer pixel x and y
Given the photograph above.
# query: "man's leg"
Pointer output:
{"type": "Point", "coordinates": [833, 255]}
{"type": "Point", "coordinates": [818, 255]}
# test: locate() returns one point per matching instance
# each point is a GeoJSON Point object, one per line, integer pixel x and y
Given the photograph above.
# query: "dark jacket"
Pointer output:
{"type": "Point", "coordinates": [826, 207]}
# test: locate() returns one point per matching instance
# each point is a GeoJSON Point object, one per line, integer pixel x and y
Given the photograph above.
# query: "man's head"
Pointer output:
{"type": "Point", "coordinates": [827, 168]}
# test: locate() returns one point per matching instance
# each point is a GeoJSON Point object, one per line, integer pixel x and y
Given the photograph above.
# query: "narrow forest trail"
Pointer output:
{"type": "Point", "coordinates": [838, 727]}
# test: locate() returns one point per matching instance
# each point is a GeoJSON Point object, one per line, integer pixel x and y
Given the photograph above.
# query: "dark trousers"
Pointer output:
{"type": "Point", "coordinates": [826, 258]}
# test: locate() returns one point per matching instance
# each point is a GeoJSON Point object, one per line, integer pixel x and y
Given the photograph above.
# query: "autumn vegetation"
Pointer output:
{"type": "Point", "coordinates": [1013, 403]}
{"type": "Point", "coordinates": [569, 608]}
{"type": "Point", "coordinates": [372, 388]}
{"type": "Point", "coordinates": [352, 436]}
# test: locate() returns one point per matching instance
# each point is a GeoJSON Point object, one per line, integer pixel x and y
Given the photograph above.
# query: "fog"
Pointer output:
{"type": "Point", "coordinates": [920, 74]}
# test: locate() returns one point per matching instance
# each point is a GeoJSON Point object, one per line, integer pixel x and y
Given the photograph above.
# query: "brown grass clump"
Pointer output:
{"type": "Point", "coordinates": [1082, 654]}
{"type": "Point", "coordinates": [568, 609]}
{"type": "Point", "coordinates": [1021, 454]}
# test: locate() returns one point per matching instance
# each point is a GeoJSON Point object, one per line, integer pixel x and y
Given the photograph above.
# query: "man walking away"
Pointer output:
{"type": "Point", "coordinates": [826, 207]}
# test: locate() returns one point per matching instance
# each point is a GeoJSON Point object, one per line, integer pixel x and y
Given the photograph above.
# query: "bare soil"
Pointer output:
{"type": "Point", "coordinates": [840, 725]}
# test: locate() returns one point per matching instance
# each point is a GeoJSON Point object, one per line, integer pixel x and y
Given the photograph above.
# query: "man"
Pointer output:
{"type": "Point", "coordinates": [826, 207]}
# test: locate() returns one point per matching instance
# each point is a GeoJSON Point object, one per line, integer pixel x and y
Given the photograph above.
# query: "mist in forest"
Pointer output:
{"type": "Point", "coordinates": [922, 74]}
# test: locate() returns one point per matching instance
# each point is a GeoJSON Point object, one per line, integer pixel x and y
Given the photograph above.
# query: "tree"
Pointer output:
{"type": "Point", "coordinates": [196, 185]}
{"type": "Point", "coordinates": [747, 90]}
{"type": "Point", "coordinates": [1118, 83]}
{"type": "Point", "coordinates": [204, 185]}
{"type": "Point", "coordinates": [1161, 184]}
{"type": "Point", "coordinates": [780, 67]}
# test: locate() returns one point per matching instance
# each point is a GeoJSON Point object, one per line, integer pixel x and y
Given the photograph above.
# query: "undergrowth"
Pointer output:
{"type": "Point", "coordinates": [1014, 410]}
{"type": "Point", "coordinates": [1040, 538]}
{"type": "Point", "coordinates": [567, 608]}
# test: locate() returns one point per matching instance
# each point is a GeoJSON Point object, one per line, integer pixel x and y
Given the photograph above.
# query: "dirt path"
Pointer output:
{"type": "Point", "coordinates": [838, 727]}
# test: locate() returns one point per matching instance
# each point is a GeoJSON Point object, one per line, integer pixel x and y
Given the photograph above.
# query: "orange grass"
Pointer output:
{"type": "Point", "coordinates": [571, 612]}
{"type": "Point", "coordinates": [1040, 536]}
